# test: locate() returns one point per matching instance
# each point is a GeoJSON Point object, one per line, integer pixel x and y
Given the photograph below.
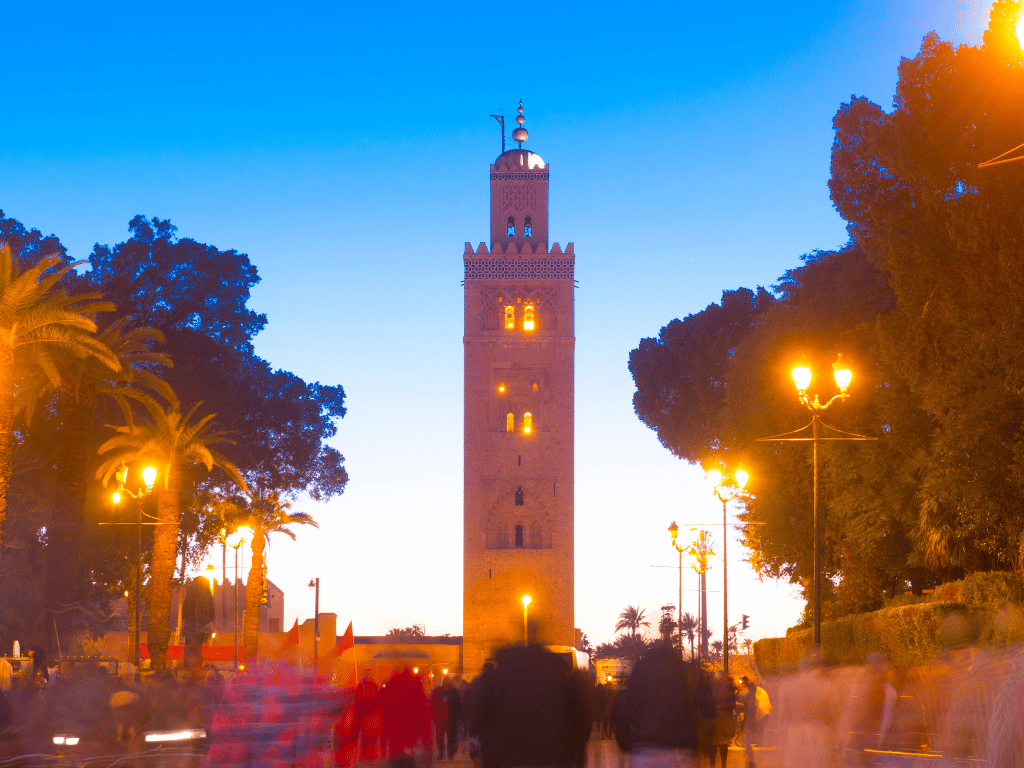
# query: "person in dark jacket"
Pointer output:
{"type": "Point", "coordinates": [748, 706]}
{"type": "Point", "coordinates": [655, 719]}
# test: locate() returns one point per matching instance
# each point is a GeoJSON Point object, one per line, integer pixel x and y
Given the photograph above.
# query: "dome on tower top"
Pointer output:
{"type": "Point", "coordinates": [522, 158]}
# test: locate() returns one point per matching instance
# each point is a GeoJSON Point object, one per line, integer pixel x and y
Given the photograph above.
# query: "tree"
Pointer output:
{"type": "Point", "coordinates": [173, 441]}
{"type": "Point", "coordinates": [86, 385]}
{"type": "Point", "coordinates": [196, 294]}
{"type": "Point", "coordinates": [198, 615]}
{"type": "Point", "coordinates": [631, 620]}
{"type": "Point", "coordinates": [265, 513]}
{"type": "Point", "coordinates": [688, 625]}
{"type": "Point", "coordinates": [404, 634]}
{"type": "Point", "coordinates": [37, 317]}
{"type": "Point", "coordinates": [947, 234]}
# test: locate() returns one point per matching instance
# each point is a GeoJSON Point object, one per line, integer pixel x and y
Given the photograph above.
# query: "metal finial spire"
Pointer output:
{"type": "Point", "coordinates": [519, 134]}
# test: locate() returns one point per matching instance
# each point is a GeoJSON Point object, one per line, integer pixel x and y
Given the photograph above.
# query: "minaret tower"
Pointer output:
{"type": "Point", "coordinates": [519, 364]}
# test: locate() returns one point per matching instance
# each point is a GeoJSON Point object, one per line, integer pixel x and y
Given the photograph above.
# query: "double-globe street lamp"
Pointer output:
{"type": "Point", "coordinates": [802, 378]}
{"type": "Point", "coordinates": [148, 480]}
{"type": "Point", "coordinates": [726, 491]}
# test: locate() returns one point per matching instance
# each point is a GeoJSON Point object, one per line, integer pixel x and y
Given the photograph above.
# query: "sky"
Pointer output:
{"type": "Point", "coordinates": [346, 148]}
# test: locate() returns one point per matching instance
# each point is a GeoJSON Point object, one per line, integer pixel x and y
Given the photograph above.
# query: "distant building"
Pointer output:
{"type": "Point", "coordinates": [519, 344]}
{"type": "Point", "coordinates": [271, 612]}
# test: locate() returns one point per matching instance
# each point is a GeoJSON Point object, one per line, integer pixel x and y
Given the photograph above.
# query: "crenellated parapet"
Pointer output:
{"type": "Point", "coordinates": [515, 261]}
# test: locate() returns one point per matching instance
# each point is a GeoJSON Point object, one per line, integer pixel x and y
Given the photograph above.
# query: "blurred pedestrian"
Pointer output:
{"type": "Point", "coordinates": [748, 708]}
{"type": "Point", "coordinates": [655, 718]}
{"type": "Point", "coordinates": [721, 729]}
{"type": "Point", "coordinates": [406, 719]}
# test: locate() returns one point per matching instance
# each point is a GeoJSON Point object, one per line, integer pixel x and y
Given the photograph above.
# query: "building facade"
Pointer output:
{"type": "Point", "coordinates": [519, 346]}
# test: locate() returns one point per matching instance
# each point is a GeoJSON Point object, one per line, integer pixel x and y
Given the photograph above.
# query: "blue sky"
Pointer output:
{"type": "Point", "coordinates": [346, 147]}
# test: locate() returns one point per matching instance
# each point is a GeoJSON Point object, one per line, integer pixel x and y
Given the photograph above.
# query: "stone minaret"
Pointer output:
{"type": "Point", "coordinates": [519, 364]}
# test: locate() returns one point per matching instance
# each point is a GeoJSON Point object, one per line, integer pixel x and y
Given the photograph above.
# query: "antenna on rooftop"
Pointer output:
{"type": "Point", "coordinates": [501, 122]}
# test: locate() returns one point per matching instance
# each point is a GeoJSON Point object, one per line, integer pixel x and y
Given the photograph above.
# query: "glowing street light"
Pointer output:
{"type": "Point", "coordinates": [526, 606]}
{"type": "Point", "coordinates": [726, 492]}
{"type": "Point", "coordinates": [148, 480]}
{"type": "Point", "coordinates": [236, 539]}
{"type": "Point", "coordinates": [802, 379]}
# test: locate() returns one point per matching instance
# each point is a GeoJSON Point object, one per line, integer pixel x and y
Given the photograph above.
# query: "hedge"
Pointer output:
{"type": "Point", "coordinates": [982, 608]}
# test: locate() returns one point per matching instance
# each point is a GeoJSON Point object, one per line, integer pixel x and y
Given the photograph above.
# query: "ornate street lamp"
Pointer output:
{"type": "Point", "coordinates": [802, 378]}
{"type": "Point", "coordinates": [236, 539]}
{"type": "Point", "coordinates": [148, 480]}
{"type": "Point", "coordinates": [726, 491]}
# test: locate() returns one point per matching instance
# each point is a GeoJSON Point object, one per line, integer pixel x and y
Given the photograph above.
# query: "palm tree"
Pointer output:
{"type": "Point", "coordinates": [84, 384]}
{"type": "Point", "coordinates": [173, 442]}
{"type": "Point", "coordinates": [688, 626]}
{"type": "Point", "coordinates": [631, 619]}
{"type": "Point", "coordinates": [38, 317]}
{"type": "Point", "coordinates": [265, 513]}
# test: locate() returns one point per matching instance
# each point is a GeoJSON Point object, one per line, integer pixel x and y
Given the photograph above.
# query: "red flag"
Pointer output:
{"type": "Point", "coordinates": [291, 640]}
{"type": "Point", "coordinates": [345, 642]}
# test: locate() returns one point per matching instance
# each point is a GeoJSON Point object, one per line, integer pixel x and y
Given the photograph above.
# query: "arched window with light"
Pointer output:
{"type": "Point", "coordinates": [511, 226]}
{"type": "Point", "coordinates": [527, 227]}
{"type": "Point", "coordinates": [527, 423]}
{"type": "Point", "coordinates": [519, 535]}
{"type": "Point", "coordinates": [510, 423]}
{"type": "Point", "coordinates": [529, 318]}
{"type": "Point", "coordinates": [510, 318]}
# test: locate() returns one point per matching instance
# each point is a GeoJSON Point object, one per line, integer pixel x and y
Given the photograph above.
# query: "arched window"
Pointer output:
{"type": "Point", "coordinates": [527, 423]}
{"type": "Point", "coordinates": [519, 535]}
{"type": "Point", "coordinates": [527, 227]}
{"type": "Point", "coordinates": [510, 317]}
{"type": "Point", "coordinates": [536, 387]}
{"type": "Point", "coordinates": [510, 423]}
{"type": "Point", "coordinates": [511, 226]}
{"type": "Point", "coordinates": [519, 496]}
{"type": "Point", "coordinates": [529, 319]}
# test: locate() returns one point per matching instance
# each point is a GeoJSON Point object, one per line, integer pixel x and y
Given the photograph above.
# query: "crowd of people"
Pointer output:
{"type": "Point", "coordinates": [528, 708]}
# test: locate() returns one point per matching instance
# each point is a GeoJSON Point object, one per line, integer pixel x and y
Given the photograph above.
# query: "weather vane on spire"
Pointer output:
{"type": "Point", "coordinates": [519, 134]}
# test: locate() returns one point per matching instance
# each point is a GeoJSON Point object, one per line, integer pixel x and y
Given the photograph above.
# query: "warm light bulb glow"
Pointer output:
{"type": "Point", "coordinates": [445, 670]}
{"type": "Point", "coordinates": [527, 423]}
{"type": "Point", "coordinates": [741, 478]}
{"type": "Point", "coordinates": [715, 478]}
{"type": "Point", "coordinates": [149, 476]}
{"type": "Point", "coordinates": [415, 670]}
{"type": "Point", "coordinates": [528, 318]}
{"type": "Point", "coordinates": [527, 600]}
{"type": "Point", "coordinates": [117, 497]}
{"type": "Point", "coordinates": [510, 423]}
{"type": "Point", "coordinates": [802, 377]}
{"type": "Point", "coordinates": [239, 536]}
{"type": "Point", "coordinates": [501, 389]}
{"type": "Point", "coordinates": [843, 377]}
{"type": "Point", "coordinates": [510, 318]}
{"type": "Point", "coordinates": [673, 531]}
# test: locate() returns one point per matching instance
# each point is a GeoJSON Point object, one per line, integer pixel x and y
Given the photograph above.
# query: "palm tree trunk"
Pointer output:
{"type": "Point", "coordinates": [161, 569]}
{"type": "Point", "coordinates": [64, 527]}
{"type": "Point", "coordinates": [181, 589]}
{"type": "Point", "coordinates": [6, 423]}
{"type": "Point", "coordinates": [253, 594]}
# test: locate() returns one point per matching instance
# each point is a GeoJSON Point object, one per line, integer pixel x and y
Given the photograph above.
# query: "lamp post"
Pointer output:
{"type": "Point", "coordinates": [149, 480]}
{"type": "Point", "coordinates": [701, 551]}
{"type": "Point", "coordinates": [526, 607]}
{"type": "Point", "coordinates": [236, 539]}
{"type": "Point", "coordinates": [726, 492]}
{"type": "Point", "coordinates": [673, 531]}
{"type": "Point", "coordinates": [802, 378]}
{"type": "Point", "coordinates": [315, 585]}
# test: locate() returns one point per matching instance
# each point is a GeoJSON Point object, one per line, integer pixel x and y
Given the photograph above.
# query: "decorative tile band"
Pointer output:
{"type": "Point", "coordinates": [527, 176]}
{"type": "Point", "coordinates": [519, 269]}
